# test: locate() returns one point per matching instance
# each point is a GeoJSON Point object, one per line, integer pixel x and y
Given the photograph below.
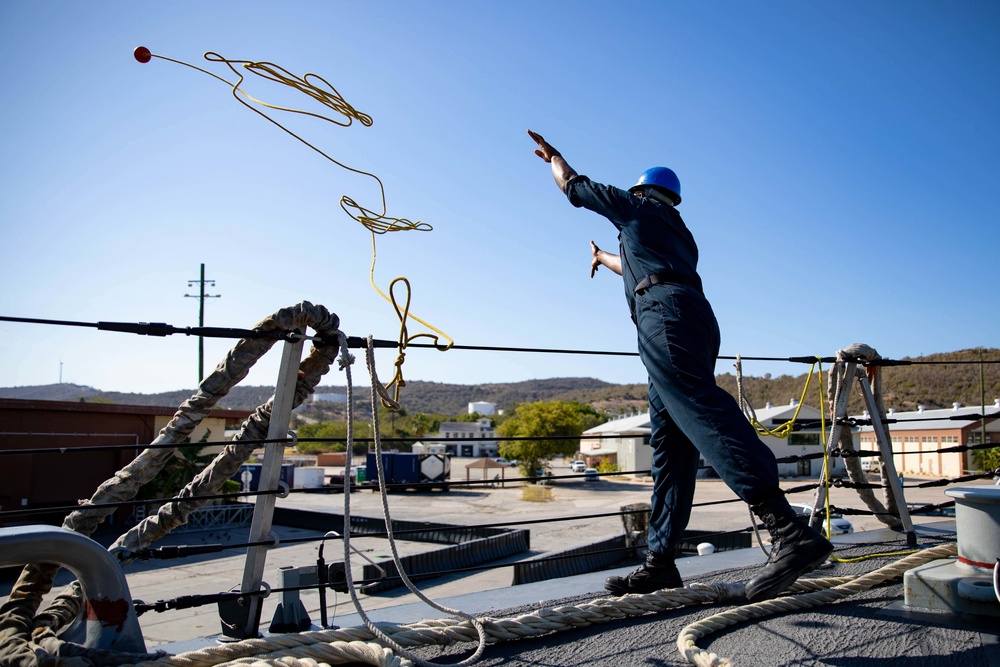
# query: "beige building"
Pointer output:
{"type": "Point", "coordinates": [918, 436]}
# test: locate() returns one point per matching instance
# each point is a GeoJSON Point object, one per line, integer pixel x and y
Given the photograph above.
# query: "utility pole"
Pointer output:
{"type": "Point", "coordinates": [201, 296]}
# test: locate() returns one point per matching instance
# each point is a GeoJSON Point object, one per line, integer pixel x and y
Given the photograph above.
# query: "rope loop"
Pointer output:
{"type": "Point", "coordinates": [783, 430]}
{"type": "Point", "coordinates": [403, 313]}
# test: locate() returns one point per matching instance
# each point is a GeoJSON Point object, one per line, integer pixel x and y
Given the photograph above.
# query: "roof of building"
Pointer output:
{"type": "Point", "coordinates": [769, 415]}
{"type": "Point", "coordinates": [106, 408]}
{"type": "Point", "coordinates": [632, 424]}
{"type": "Point", "coordinates": [946, 419]}
{"type": "Point", "coordinates": [775, 415]}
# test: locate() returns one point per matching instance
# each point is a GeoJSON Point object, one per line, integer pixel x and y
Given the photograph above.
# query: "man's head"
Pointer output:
{"type": "Point", "coordinates": [659, 183]}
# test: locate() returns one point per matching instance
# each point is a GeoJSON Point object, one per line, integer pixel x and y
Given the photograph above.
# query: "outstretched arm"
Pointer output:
{"type": "Point", "coordinates": [561, 171]}
{"type": "Point", "coordinates": [600, 257]}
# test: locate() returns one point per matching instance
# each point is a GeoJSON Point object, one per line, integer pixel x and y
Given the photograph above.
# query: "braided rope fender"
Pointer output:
{"type": "Point", "coordinates": [21, 617]}
{"type": "Point", "coordinates": [227, 374]}
{"type": "Point", "coordinates": [838, 590]}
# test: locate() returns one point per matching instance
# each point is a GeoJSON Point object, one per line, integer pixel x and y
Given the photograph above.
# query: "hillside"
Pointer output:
{"type": "Point", "coordinates": [933, 381]}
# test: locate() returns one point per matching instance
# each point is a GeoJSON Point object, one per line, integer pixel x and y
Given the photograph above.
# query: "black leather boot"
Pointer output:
{"type": "Point", "coordinates": [656, 573]}
{"type": "Point", "coordinates": [795, 549]}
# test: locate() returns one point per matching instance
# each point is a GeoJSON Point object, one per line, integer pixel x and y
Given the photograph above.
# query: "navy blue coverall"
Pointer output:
{"type": "Point", "coordinates": [678, 344]}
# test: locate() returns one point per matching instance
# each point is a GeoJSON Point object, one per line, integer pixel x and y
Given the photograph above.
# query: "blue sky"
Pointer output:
{"type": "Point", "coordinates": [837, 162]}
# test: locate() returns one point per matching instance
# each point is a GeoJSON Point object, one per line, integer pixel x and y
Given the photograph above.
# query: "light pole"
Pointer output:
{"type": "Point", "coordinates": [201, 296]}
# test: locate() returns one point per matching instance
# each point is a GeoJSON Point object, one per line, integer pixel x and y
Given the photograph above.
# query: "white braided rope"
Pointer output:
{"type": "Point", "coordinates": [343, 646]}
{"type": "Point", "coordinates": [341, 643]}
{"type": "Point", "coordinates": [741, 398]}
{"type": "Point", "coordinates": [838, 589]}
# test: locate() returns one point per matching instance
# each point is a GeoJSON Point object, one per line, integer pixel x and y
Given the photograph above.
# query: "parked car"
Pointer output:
{"type": "Point", "coordinates": [936, 511]}
{"type": "Point", "coordinates": [838, 524]}
{"type": "Point", "coordinates": [504, 461]}
{"type": "Point", "coordinates": [590, 475]}
{"type": "Point", "coordinates": [577, 466]}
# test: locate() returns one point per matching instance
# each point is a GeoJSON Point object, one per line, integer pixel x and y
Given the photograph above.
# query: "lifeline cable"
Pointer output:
{"type": "Point", "coordinates": [347, 360]}
{"type": "Point", "coordinates": [321, 91]}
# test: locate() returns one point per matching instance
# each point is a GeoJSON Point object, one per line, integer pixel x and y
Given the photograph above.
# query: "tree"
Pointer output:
{"type": "Point", "coordinates": [543, 419]}
{"type": "Point", "coordinates": [332, 430]}
{"type": "Point", "coordinates": [467, 417]}
{"type": "Point", "coordinates": [423, 424]}
{"type": "Point", "coordinates": [987, 459]}
{"type": "Point", "coordinates": [335, 433]}
{"type": "Point", "coordinates": [180, 469]}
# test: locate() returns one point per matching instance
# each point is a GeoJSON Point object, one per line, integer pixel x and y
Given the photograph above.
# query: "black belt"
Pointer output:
{"type": "Point", "coordinates": [666, 278]}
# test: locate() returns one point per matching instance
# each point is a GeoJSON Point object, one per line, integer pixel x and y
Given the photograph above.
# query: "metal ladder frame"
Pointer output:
{"type": "Point", "coordinates": [249, 605]}
{"type": "Point", "coordinates": [853, 372]}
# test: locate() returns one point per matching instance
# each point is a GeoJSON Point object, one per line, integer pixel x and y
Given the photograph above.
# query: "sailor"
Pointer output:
{"type": "Point", "coordinates": [689, 414]}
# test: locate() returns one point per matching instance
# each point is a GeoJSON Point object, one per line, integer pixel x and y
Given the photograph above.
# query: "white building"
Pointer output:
{"type": "Point", "coordinates": [799, 443]}
{"type": "Point", "coordinates": [483, 408]}
{"type": "Point", "coordinates": [625, 441]}
{"type": "Point", "coordinates": [474, 439]}
{"type": "Point", "coordinates": [328, 398]}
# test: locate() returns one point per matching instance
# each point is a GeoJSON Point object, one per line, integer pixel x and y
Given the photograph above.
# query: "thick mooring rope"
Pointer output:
{"type": "Point", "coordinates": [354, 645]}
{"type": "Point", "coordinates": [838, 590]}
{"type": "Point", "coordinates": [282, 649]}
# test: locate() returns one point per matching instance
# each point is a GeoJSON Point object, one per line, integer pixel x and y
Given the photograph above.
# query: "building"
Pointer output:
{"type": "Point", "coordinates": [917, 436]}
{"type": "Point", "coordinates": [475, 439]}
{"type": "Point", "coordinates": [802, 442]}
{"type": "Point", "coordinates": [625, 442]}
{"type": "Point", "coordinates": [482, 408]}
{"type": "Point", "coordinates": [327, 398]}
{"type": "Point", "coordinates": [84, 442]}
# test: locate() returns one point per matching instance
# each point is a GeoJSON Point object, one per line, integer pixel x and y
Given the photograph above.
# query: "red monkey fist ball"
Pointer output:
{"type": "Point", "coordinates": [142, 54]}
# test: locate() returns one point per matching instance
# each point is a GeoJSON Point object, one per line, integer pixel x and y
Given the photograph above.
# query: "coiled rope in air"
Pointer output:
{"type": "Point", "coordinates": [321, 91]}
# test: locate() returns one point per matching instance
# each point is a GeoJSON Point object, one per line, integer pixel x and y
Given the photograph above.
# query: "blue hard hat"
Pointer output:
{"type": "Point", "coordinates": [662, 178]}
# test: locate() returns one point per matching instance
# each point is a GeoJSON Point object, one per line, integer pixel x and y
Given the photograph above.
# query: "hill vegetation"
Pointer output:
{"type": "Point", "coordinates": [933, 381]}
